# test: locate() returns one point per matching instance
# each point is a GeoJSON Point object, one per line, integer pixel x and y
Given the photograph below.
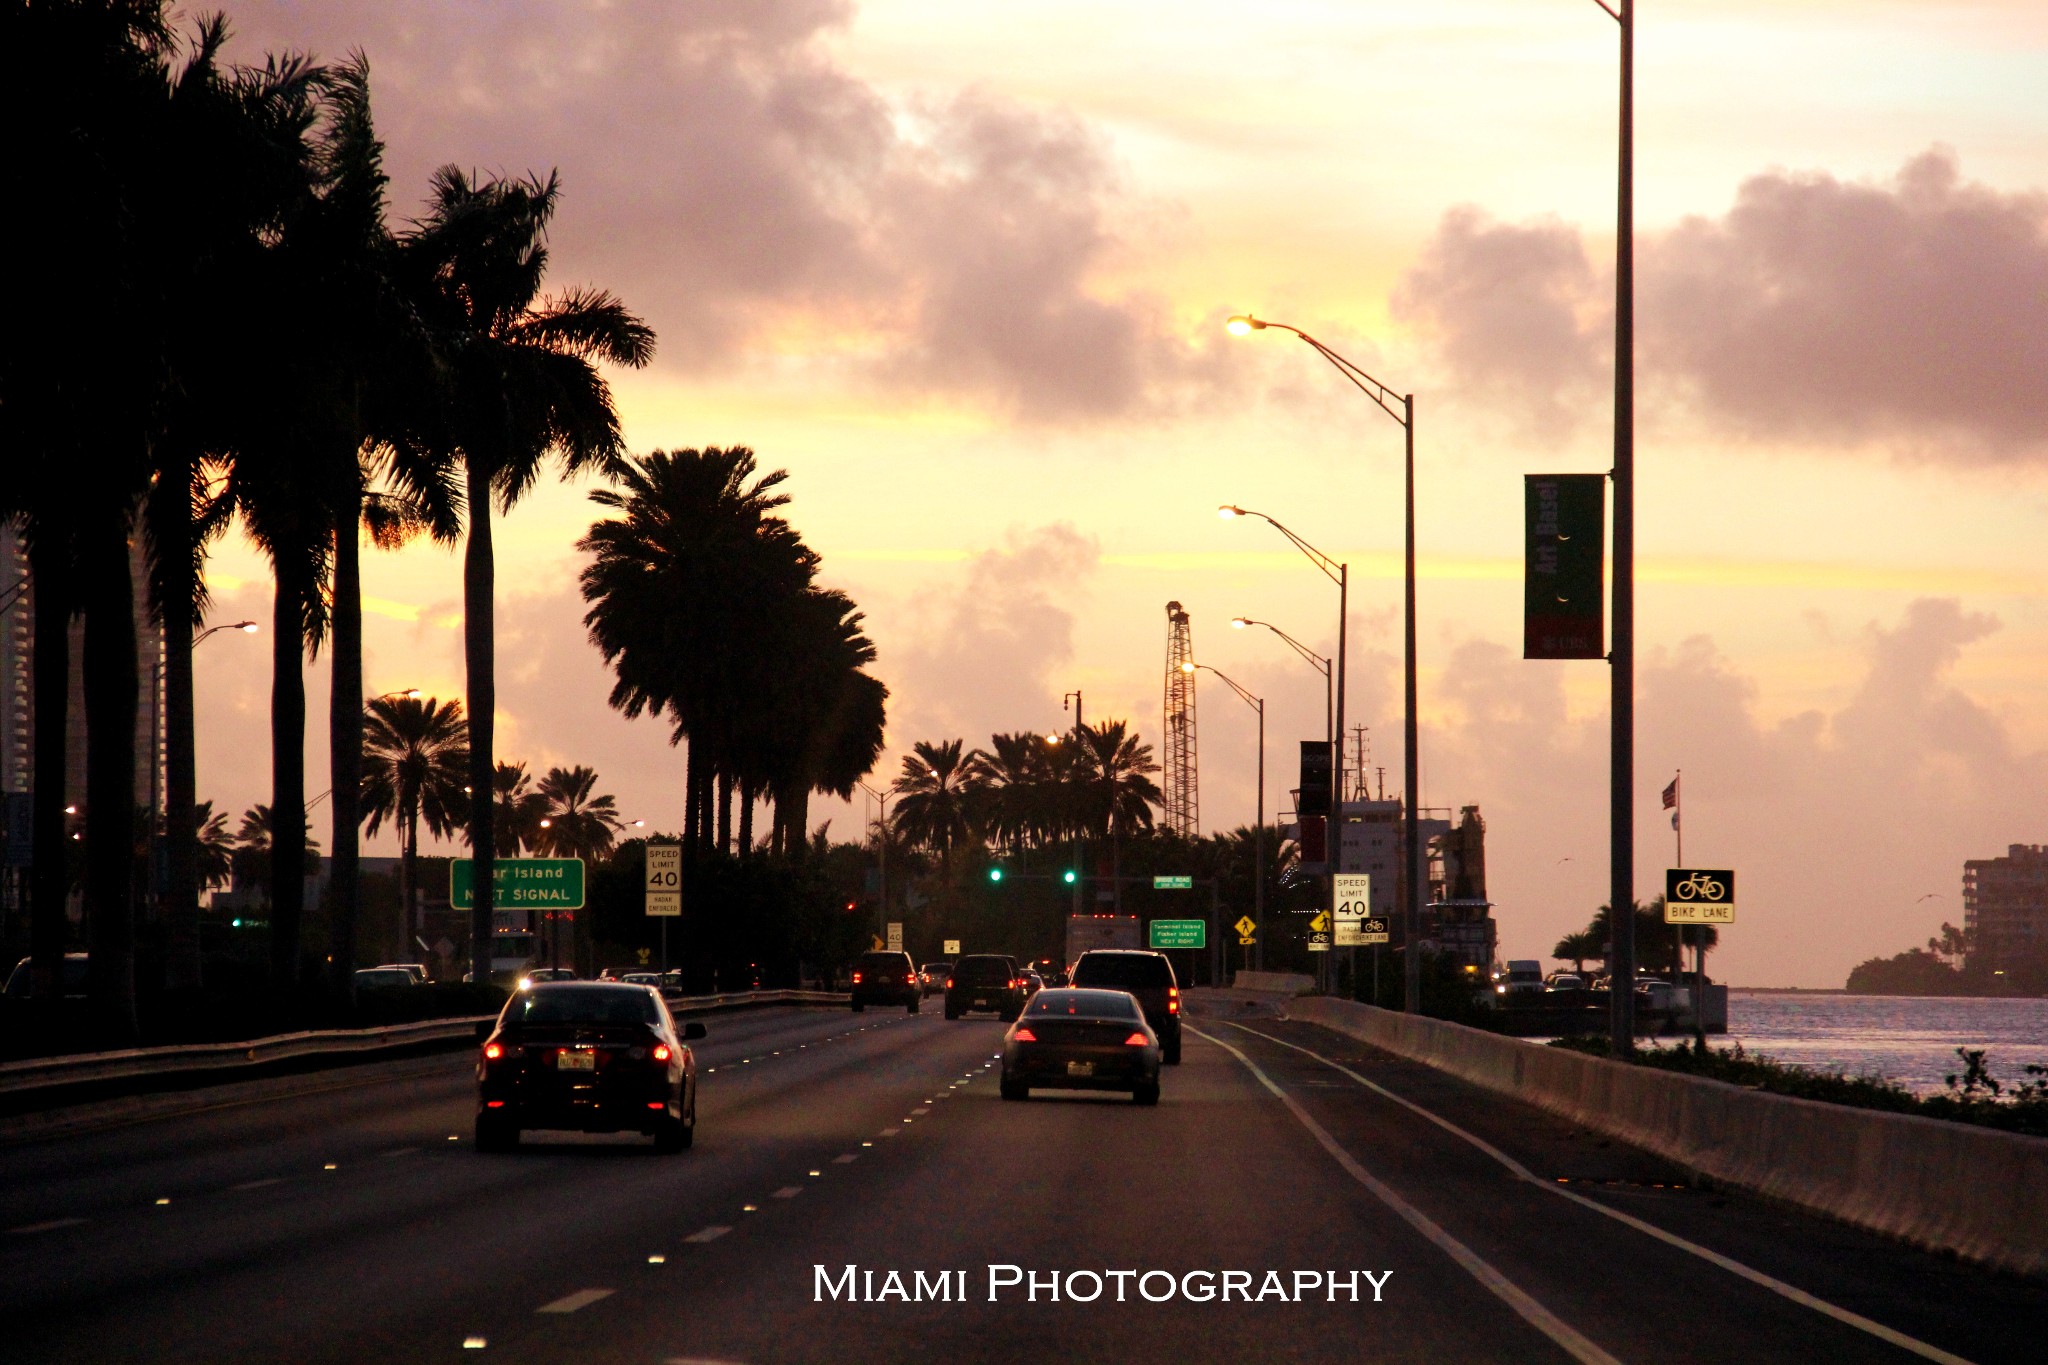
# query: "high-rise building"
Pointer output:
{"type": "Point", "coordinates": [2005, 909]}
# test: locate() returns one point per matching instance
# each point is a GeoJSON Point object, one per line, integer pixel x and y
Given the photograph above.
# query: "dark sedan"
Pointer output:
{"type": "Point", "coordinates": [1081, 1040]}
{"type": "Point", "coordinates": [597, 1057]}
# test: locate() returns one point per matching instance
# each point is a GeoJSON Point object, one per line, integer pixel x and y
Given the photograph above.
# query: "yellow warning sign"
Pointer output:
{"type": "Point", "coordinates": [1244, 925]}
{"type": "Point", "coordinates": [1320, 924]}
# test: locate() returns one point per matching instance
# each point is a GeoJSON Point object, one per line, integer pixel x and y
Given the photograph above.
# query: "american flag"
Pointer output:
{"type": "Point", "coordinates": [1671, 795]}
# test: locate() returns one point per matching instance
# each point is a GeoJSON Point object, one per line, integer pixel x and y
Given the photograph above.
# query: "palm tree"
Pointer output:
{"type": "Point", "coordinates": [215, 864]}
{"type": "Point", "coordinates": [578, 824]}
{"type": "Point", "coordinates": [1114, 786]}
{"type": "Point", "coordinates": [255, 853]}
{"type": "Point", "coordinates": [1577, 948]}
{"type": "Point", "coordinates": [517, 809]}
{"type": "Point", "coordinates": [416, 753]}
{"type": "Point", "coordinates": [935, 796]}
{"type": "Point", "coordinates": [523, 385]}
{"type": "Point", "coordinates": [1016, 771]}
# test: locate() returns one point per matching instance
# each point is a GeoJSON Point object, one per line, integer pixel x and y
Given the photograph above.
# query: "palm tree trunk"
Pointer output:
{"type": "Point", "coordinates": [408, 874]}
{"type": "Point", "coordinates": [345, 751]}
{"type": "Point", "coordinates": [111, 693]}
{"type": "Point", "coordinates": [479, 624]}
{"type": "Point", "coordinates": [690, 831]}
{"type": "Point", "coordinates": [287, 771]}
{"type": "Point", "coordinates": [747, 796]}
{"type": "Point", "coordinates": [725, 812]}
{"type": "Point", "coordinates": [178, 576]}
{"type": "Point", "coordinates": [50, 573]}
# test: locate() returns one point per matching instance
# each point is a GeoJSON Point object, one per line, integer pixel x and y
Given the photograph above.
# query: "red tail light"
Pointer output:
{"type": "Point", "coordinates": [661, 1052]}
{"type": "Point", "coordinates": [949, 983]}
{"type": "Point", "coordinates": [1173, 1000]}
{"type": "Point", "coordinates": [1136, 1040]}
{"type": "Point", "coordinates": [494, 1104]}
{"type": "Point", "coordinates": [492, 1052]}
{"type": "Point", "coordinates": [657, 1104]}
{"type": "Point", "coordinates": [856, 978]}
{"type": "Point", "coordinates": [1025, 1035]}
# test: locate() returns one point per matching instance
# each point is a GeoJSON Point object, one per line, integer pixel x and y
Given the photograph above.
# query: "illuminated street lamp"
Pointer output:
{"type": "Point", "coordinates": [1400, 407]}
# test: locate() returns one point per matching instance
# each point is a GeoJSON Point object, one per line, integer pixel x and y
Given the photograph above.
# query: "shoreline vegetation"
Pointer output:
{"type": "Point", "coordinates": [1972, 1094]}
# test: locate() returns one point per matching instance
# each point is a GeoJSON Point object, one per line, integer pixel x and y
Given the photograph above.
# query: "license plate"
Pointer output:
{"type": "Point", "coordinates": [575, 1061]}
{"type": "Point", "coordinates": [1080, 1068]}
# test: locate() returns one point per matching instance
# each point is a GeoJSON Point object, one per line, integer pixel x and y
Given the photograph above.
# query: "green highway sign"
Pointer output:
{"type": "Point", "coordinates": [1179, 933]}
{"type": "Point", "coordinates": [520, 884]}
{"type": "Point", "coordinates": [1173, 883]}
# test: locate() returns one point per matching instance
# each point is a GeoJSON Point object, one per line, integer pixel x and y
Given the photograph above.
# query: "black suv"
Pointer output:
{"type": "Point", "coordinates": [600, 1057]}
{"type": "Point", "coordinates": [984, 981]}
{"type": "Point", "coordinates": [1149, 976]}
{"type": "Point", "coordinates": [885, 979]}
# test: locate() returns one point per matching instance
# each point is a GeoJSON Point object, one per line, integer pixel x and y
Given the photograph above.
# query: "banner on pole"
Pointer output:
{"type": "Point", "coordinates": [1562, 616]}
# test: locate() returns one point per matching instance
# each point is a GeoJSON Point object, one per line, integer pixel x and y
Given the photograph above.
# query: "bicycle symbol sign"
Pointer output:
{"type": "Point", "coordinates": [1696, 895]}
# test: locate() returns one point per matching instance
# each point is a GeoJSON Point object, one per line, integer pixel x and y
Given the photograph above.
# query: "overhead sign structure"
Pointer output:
{"type": "Point", "coordinates": [520, 884]}
{"type": "Point", "coordinates": [952, 947]}
{"type": "Point", "coordinates": [1319, 933]}
{"type": "Point", "coordinates": [1699, 895]}
{"type": "Point", "coordinates": [1173, 883]}
{"type": "Point", "coordinates": [895, 935]}
{"type": "Point", "coordinates": [1354, 907]}
{"type": "Point", "coordinates": [665, 879]}
{"type": "Point", "coordinates": [1179, 933]}
{"type": "Point", "coordinates": [1561, 573]}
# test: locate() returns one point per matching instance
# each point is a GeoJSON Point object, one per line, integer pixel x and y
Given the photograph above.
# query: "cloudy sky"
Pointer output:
{"type": "Point", "coordinates": [962, 268]}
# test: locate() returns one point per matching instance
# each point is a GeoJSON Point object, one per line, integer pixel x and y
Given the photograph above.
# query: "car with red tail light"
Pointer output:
{"type": "Point", "coordinates": [1081, 1039]}
{"type": "Point", "coordinates": [1146, 975]}
{"type": "Point", "coordinates": [886, 978]}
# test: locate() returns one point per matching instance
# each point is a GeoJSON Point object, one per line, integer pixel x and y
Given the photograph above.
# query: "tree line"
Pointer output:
{"type": "Point", "coordinates": [223, 326]}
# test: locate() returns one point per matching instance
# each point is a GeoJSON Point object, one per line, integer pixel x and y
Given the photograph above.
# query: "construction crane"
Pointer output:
{"type": "Point", "coordinates": [1183, 801]}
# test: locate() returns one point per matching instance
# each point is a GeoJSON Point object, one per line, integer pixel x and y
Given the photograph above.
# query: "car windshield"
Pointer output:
{"type": "Point", "coordinates": [584, 1005]}
{"type": "Point", "coordinates": [1130, 971]}
{"type": "Point", "coordinates": [1084, 1004]}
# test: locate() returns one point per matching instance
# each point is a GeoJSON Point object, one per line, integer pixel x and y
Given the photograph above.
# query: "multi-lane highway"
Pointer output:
{"type": "Point", "coordinates": [354, 1222]}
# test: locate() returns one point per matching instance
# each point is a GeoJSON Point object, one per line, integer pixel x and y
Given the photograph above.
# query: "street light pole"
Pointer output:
{"type": "Point", "coordinates": [1621, 970]}
{"type": "Point", "coordinates": [881, 856]}
{"type": "Point", "coordinates": [1259, 828]}
{"type": "Point", "coordinates": [1386, 398]}
{"type": "Point", "coordinates": [1080, 878]}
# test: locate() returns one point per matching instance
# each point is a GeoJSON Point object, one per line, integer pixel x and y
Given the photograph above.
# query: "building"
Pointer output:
{"type": "Point", "coordinates": [2005, 909]}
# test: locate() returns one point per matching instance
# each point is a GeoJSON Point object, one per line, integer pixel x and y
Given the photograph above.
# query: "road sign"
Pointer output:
{"type": "Point", "coordinates": [1173, 883]}
{"type": "Point", "coordinates": [1179, 933]}
{"type": "Point", "coordinates": [665, 879]}
{"type": "Point", "coordinates": [1561, 603]}
{"type": "Point", "coordinates": [1244, 925]}
{"type": "Point", "coordinates": [1354, 903]}
{"type": "Point", "coordinates": [1699, 895]}
{"type": "Point", "coordinates": [952, 947]}
{"type": "Point", "coordinates": [1371, 930]}
{"type": "Point", "coordinates": [1247, 940]}
{"type": "Point", "coordinates": [520, 884]}
{"type": "Point", "coordinates": [1321, 923]}
{"type": "Point", "coordinates": [895, 935]}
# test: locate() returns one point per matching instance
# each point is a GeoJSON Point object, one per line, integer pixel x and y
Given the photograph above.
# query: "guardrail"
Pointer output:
{"type": "Point", "coordinates": [107, 1069]}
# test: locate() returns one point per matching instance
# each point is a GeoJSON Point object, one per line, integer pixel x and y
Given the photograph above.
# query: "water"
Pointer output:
{"type": "Point", "coordinates": [1908, 1039]}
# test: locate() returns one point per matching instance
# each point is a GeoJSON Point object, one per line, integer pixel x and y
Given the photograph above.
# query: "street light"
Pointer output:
{"type": "Point", "coordinates": [881, 854]}
{"type": "Point", "coordinates": [158, 744]}
{"type": "Point", "coordinates": [1340, 574]}
{"type": "Point", "coordinates": [1259, 829]}
{"type": "Point", "coordinates": [1315, 661]}
{"type": "Point", "coordinates": [1404, 413]}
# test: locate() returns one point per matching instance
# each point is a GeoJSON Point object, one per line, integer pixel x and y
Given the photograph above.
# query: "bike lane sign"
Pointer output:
{"type": "Point", "coordinates": [1699, 895]}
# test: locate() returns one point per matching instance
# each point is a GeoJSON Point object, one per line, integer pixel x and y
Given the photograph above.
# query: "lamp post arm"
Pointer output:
{"type": "Point", "coordinates": [1233, 684]}
{"type": "Point", "coordinates": [1316, 661]}
{"type": "Point", "coordinates": [1315, 556]}
{"type": "Point", "coordinates": [1388, 400]}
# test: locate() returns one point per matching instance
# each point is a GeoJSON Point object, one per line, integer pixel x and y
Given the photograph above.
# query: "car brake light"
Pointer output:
{"type": "Point", "coordinates": [492, 1052]}
{"type": "Point", "coordinates": [1173, 1000]}
{"type": "Point", "coordinates": [856, 978]}
{"type": "Point", "coordinates": [1025, 1035]}
{"type": "Point", "coordinates": [657, 1104]}
{"type": "Point", "coordinates": [494, 1104]}
{"type": "Point", "coordinates": [1136, 1040]}
{"type": "Point", "coordinates": [661, 1052]}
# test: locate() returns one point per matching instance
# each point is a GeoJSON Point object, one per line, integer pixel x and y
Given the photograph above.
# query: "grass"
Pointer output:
{"type": "Point", "coordinates": [1973, 1094]}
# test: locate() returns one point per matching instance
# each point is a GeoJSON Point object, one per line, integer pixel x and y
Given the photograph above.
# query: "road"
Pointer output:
{"type": "Point", "coordinates": [357, 1224]}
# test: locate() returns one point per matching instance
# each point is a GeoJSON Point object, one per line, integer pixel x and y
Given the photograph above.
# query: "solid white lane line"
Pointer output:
{"type": "Point", "coordinates": [710, 1234]}
{"type": "Point", "coordinates": [569, 1303]}
{"type": "Point", "coordinates": [1733, 1267]}
{"type": "Point", "coordinates": [787, 1192]}
{"type": "Point", "coordinates": [257, 1184]}
{"type": "Point", "coordinates": [51, 1226]}
{"type": "Point", "coordinates": [1535, 1314]}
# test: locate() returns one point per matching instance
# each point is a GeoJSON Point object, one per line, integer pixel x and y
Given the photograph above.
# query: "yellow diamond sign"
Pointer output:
{"type": "Point", "coordinates": [1320, 924]}
{"type": "Point", "coordinates": [1245, 925]}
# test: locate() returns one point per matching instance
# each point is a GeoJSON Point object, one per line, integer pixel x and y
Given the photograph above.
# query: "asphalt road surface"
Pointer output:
{"type": "Point", "coordinates": [356, 1223]}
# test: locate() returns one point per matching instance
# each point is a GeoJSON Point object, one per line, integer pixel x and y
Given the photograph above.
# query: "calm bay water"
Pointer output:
{"type": "Point", "coordinates": [1908, 1039]}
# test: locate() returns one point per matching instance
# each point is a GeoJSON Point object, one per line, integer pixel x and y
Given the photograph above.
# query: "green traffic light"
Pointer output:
{"type": "Point", "coordinates": [235, 925]}
{"type": "Point", "coordinates": [995, 874]}
{"type": "Point", "coordinates": [1069, 876]}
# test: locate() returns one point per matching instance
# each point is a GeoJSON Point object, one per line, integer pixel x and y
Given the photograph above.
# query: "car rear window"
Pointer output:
{"type": "Point", "coordinates": [981, 971]}
{"type": "Point", "coordinates": [883, 962]}
{"type": "Point", "coordinates": [1126, 971]}
{"type": "Point", "coordinates": [584, 1005]}
{"type": "Point", "coordinates": [1085, 1004]}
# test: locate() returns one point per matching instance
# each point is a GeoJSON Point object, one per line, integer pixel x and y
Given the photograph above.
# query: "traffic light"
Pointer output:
{"type": "Point", "coordinates": [995, 874]}
{"type": "Point", "coordinates": [1070, 876]}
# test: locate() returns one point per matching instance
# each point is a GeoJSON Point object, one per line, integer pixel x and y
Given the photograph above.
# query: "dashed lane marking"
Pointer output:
{"type": "Point", "coordinates": [51, 1226]}
{"type": "Point", "coordinates": [256, 1184]}
{"type": "Point", "coordinates": [1734, 1267]}
{"type": "Point", "coordinates": [710, 1234]}
{"type": "Point", "coordinates": [399, 1151]}
{"type": "Point", "coordinates": [844, 1158]}
{"type": "Point", "coordinates": [569, 1303]}
{"type": "Point", "coordinates": [787, 1192]}
{"type": "Point", "coordinates": [1573, 1342]}
{"type": "Point", "coordinates": [889, 1132]}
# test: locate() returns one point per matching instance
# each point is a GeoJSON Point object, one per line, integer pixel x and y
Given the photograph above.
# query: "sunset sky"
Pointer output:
{"type": "Point", "coordinates": [962, 270]}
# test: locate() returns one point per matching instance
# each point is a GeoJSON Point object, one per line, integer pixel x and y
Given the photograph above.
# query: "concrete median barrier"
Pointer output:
{"type": "Point", "coordinates": [1976, 1192]}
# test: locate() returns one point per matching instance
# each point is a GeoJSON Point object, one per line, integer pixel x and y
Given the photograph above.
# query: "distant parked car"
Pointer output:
{"type": "Point", "coordinates": [418, 969]}
{"type": "Point", "coordinates": [642, 979]}
{"type": "Point", "coordinates": [1567, 981]}
{"type": "Point", "coordinates": [385, 979]}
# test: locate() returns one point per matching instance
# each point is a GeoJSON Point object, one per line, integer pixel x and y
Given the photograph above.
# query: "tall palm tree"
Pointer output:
{"type": "Point", "coordinates": [216, 861]}
{"type": "Point", "coordinates": [935, 796]}
{"type": "Point", "coordinates": [580, 823]}
{"type": "Point", "coordinates": [1016, 771]}
{"type": "Point", "coordinates": [255, 855]}
{"type": "Point", "coordinates": [1116, 790]}
{"type": "Point", "coordinates": [416, 753]}
{"type": "Point", "coordinates": [523, 385]}
{"type": "Point", "coordinates": [517, 809]}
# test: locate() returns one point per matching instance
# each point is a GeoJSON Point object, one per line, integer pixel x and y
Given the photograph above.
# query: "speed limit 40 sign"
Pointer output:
{"type": "Point", "coordinates": [1699, 895]}
{"type": "Point", "coordinates": [665, 879]}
